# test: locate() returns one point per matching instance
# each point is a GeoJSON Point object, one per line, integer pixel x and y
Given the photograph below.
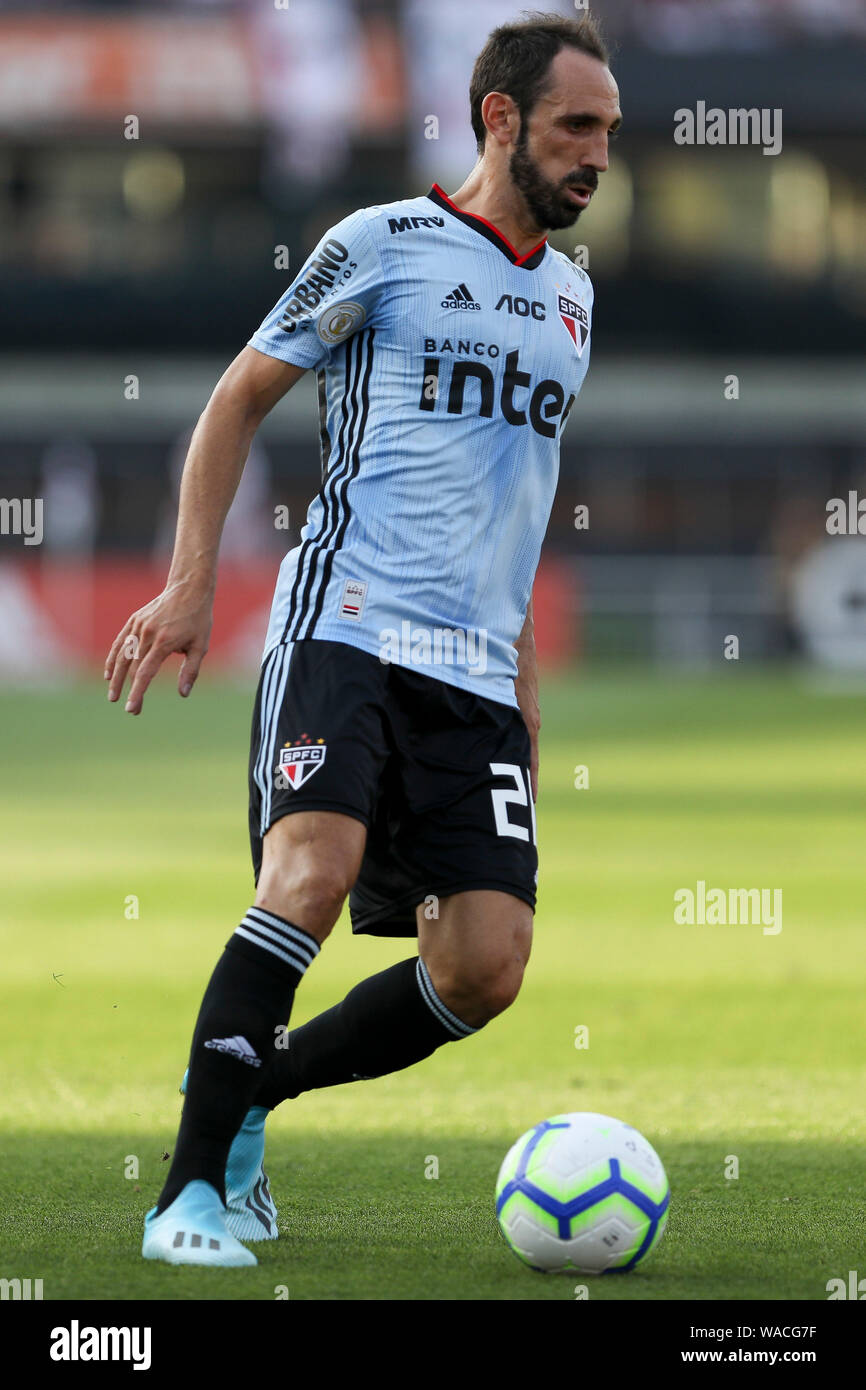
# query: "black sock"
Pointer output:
{"type": "Point", "coordinates": [384, 1024]}
{"type": "Point", "coordinates": [250, 994]}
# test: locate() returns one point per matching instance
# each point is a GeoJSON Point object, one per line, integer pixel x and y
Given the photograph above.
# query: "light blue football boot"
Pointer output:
{"type": "Point", "coordinates": [250, 1211]}
{"type": "Point", "coordinates": [193, 1231]}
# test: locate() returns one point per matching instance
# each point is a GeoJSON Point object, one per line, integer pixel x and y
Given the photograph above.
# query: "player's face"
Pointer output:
{"type": "Point", "coordinates": [563, 146]}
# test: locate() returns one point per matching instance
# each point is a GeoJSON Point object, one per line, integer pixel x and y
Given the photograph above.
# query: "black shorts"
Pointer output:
{"type": "Point", "coordinates": [439, 775]}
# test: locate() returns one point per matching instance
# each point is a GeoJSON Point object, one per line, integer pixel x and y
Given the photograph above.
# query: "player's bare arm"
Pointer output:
{"type": "Point", "coordinates": [526, 690]}
{"type": "Point", "coordinates": [181, 617]}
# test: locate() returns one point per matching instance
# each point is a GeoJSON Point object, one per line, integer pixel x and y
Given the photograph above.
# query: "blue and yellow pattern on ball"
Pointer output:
{"type": "Point", "coordinates": [582, 1192]}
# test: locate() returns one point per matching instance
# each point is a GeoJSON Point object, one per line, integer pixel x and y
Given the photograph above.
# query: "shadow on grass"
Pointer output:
{"type": "Point", "coordinates": [360, 1220]}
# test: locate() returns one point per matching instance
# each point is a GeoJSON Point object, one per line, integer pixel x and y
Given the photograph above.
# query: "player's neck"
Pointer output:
{"type": "Point", "coordinates": [488, 195]}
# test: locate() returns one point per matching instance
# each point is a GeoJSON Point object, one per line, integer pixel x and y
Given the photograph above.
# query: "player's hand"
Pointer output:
{"type": "Point", "coordinates": [179, 620]}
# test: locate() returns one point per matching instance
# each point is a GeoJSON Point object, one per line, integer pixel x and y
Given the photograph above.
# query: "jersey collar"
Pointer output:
{"type": "Point", "coordinates": [532, 258]}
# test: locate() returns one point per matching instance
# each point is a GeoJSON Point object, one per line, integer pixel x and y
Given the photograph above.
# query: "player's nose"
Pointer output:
{"type": "Point", "coordinates": [596, 154]}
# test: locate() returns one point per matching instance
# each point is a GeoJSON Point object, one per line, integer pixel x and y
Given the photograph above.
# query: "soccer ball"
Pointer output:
{"type": "Point", "coordinates": [582, 1192]}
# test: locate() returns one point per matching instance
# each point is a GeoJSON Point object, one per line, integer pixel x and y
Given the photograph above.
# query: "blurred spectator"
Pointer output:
{"type": "Point", "coordinates": [680, 25]}
{"type": "Point", "coordinates": [796, 529]}
{"type": "Point", "coordinates": [683, 25]}
{"type": "Point", "coordinates": [311, 72]}
{"type": "Point", "coordinates": [70, 492]}
{"type": "Point", "coordinates": [442, 43]}
{"type": "Point", "coordinates": [250, 532]}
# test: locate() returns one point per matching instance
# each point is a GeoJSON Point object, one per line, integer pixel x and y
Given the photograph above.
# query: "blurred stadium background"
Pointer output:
{"type": "Point", "coordinates": [133, 269]}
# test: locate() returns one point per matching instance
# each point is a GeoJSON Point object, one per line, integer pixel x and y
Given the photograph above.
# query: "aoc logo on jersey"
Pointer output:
{"type": "Point", "coordinates": [516, 304]}
{"type": "Point", "coordinates": [298, 762]}
{"type": "Point", "coordinates": [575, 318]}
{"type": "Point", "coordinates": [340, 321]}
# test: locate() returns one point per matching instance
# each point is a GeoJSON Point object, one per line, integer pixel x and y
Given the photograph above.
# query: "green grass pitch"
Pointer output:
{"type": "Point", "coordinates": [713, 1040]}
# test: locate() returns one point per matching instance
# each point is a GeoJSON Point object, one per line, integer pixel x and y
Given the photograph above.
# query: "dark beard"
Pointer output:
{"type": "Point", "coordinates": [546, 201]}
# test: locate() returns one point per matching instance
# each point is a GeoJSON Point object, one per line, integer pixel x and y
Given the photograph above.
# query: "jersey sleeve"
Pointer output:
{"type": "Point", "coordinates": [332, 296]}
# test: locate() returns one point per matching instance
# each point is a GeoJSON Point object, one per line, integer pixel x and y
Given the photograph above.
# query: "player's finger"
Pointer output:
{"type": "Point", "coordinates": [122, 663]}
{"type": "Point", "coordinates": [147, 669]}
{"type": "Point", "coordinates": [129, 652]}
{"type": "Point", "coordinates": [115, 648]}
{"type": "Point", "coordinates": [189, 669]}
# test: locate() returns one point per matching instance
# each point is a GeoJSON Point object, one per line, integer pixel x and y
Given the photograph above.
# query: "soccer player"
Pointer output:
{"type": "Point", "coordinates": [394, 737]}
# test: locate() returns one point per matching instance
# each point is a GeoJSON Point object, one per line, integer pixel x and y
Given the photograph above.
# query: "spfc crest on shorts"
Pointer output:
{"type": "Point", "coordinates": [576, 320]}
{"type": "Point", "coordinates": [297, 764]}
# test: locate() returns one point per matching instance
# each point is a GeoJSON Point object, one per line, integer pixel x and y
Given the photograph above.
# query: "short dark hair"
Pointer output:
{"type": "Point", "coordinates": [516, 59]}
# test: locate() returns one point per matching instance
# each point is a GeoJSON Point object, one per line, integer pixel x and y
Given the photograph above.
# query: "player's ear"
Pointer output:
{"type": "Point", "coordinates": [501, 117]}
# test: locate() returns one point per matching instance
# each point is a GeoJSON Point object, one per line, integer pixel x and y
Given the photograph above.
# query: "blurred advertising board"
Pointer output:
{"type": "Point", "coordinates": [92, 70]}
{"type": "Point", "coordinates": [58, 618]}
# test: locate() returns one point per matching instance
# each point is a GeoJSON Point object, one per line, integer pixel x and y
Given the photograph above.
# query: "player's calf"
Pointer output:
{"type": "Point", "coordinates": [249, 995]}
{"type": "Point", "coordinates": [466, 975]}
{"type": "Point", "coordinates": [386, 1023]}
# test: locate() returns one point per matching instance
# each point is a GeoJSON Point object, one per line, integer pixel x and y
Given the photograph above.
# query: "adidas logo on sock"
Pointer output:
{"type": "Point", "coordinates": [236, 1047]}
{"type": "Point", "coordinates": [460, 298]}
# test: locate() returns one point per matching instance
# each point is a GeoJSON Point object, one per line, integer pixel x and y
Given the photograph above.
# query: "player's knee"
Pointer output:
{"type": "Point", "coordinates": [477, 996]}
{"type": "Point", "coordinates": [478, 988]}
{"type": "Point", "coordinates": [493, 996]}
{"type": "Point", "coordinates": [309, 894]}
{"type": "Point", "coordinates": [499, 985]}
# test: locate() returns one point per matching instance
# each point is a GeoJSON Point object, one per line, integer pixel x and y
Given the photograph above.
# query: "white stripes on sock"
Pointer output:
{"type": "Point", "coordinates": [455, 1026]}
{"type": "Point", "coordinates": [297, 948]}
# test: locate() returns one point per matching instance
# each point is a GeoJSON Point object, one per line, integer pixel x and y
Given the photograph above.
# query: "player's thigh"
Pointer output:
{"type": "Point", "coordinates": [317, 750]}
{"type": "Point", "coordinates": [477, 948]}
{"type": "Point", "coordinates": [310, 860]}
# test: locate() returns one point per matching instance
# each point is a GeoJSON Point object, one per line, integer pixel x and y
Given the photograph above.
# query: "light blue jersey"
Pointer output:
{"type": "Point", "coordinates": [447, 366]}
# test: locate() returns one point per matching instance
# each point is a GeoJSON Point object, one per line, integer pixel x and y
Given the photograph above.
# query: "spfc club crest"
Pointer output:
{"type": "Point", "coordinates": [576, 320]}
{"type": "Point", "coordinates": [298, 763]}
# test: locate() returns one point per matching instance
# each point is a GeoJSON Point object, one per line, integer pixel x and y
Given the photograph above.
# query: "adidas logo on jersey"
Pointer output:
{"type": "Point", "coordinates": [236, 1047]}
{"type": "Point", "coordinates": [460, 298]}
